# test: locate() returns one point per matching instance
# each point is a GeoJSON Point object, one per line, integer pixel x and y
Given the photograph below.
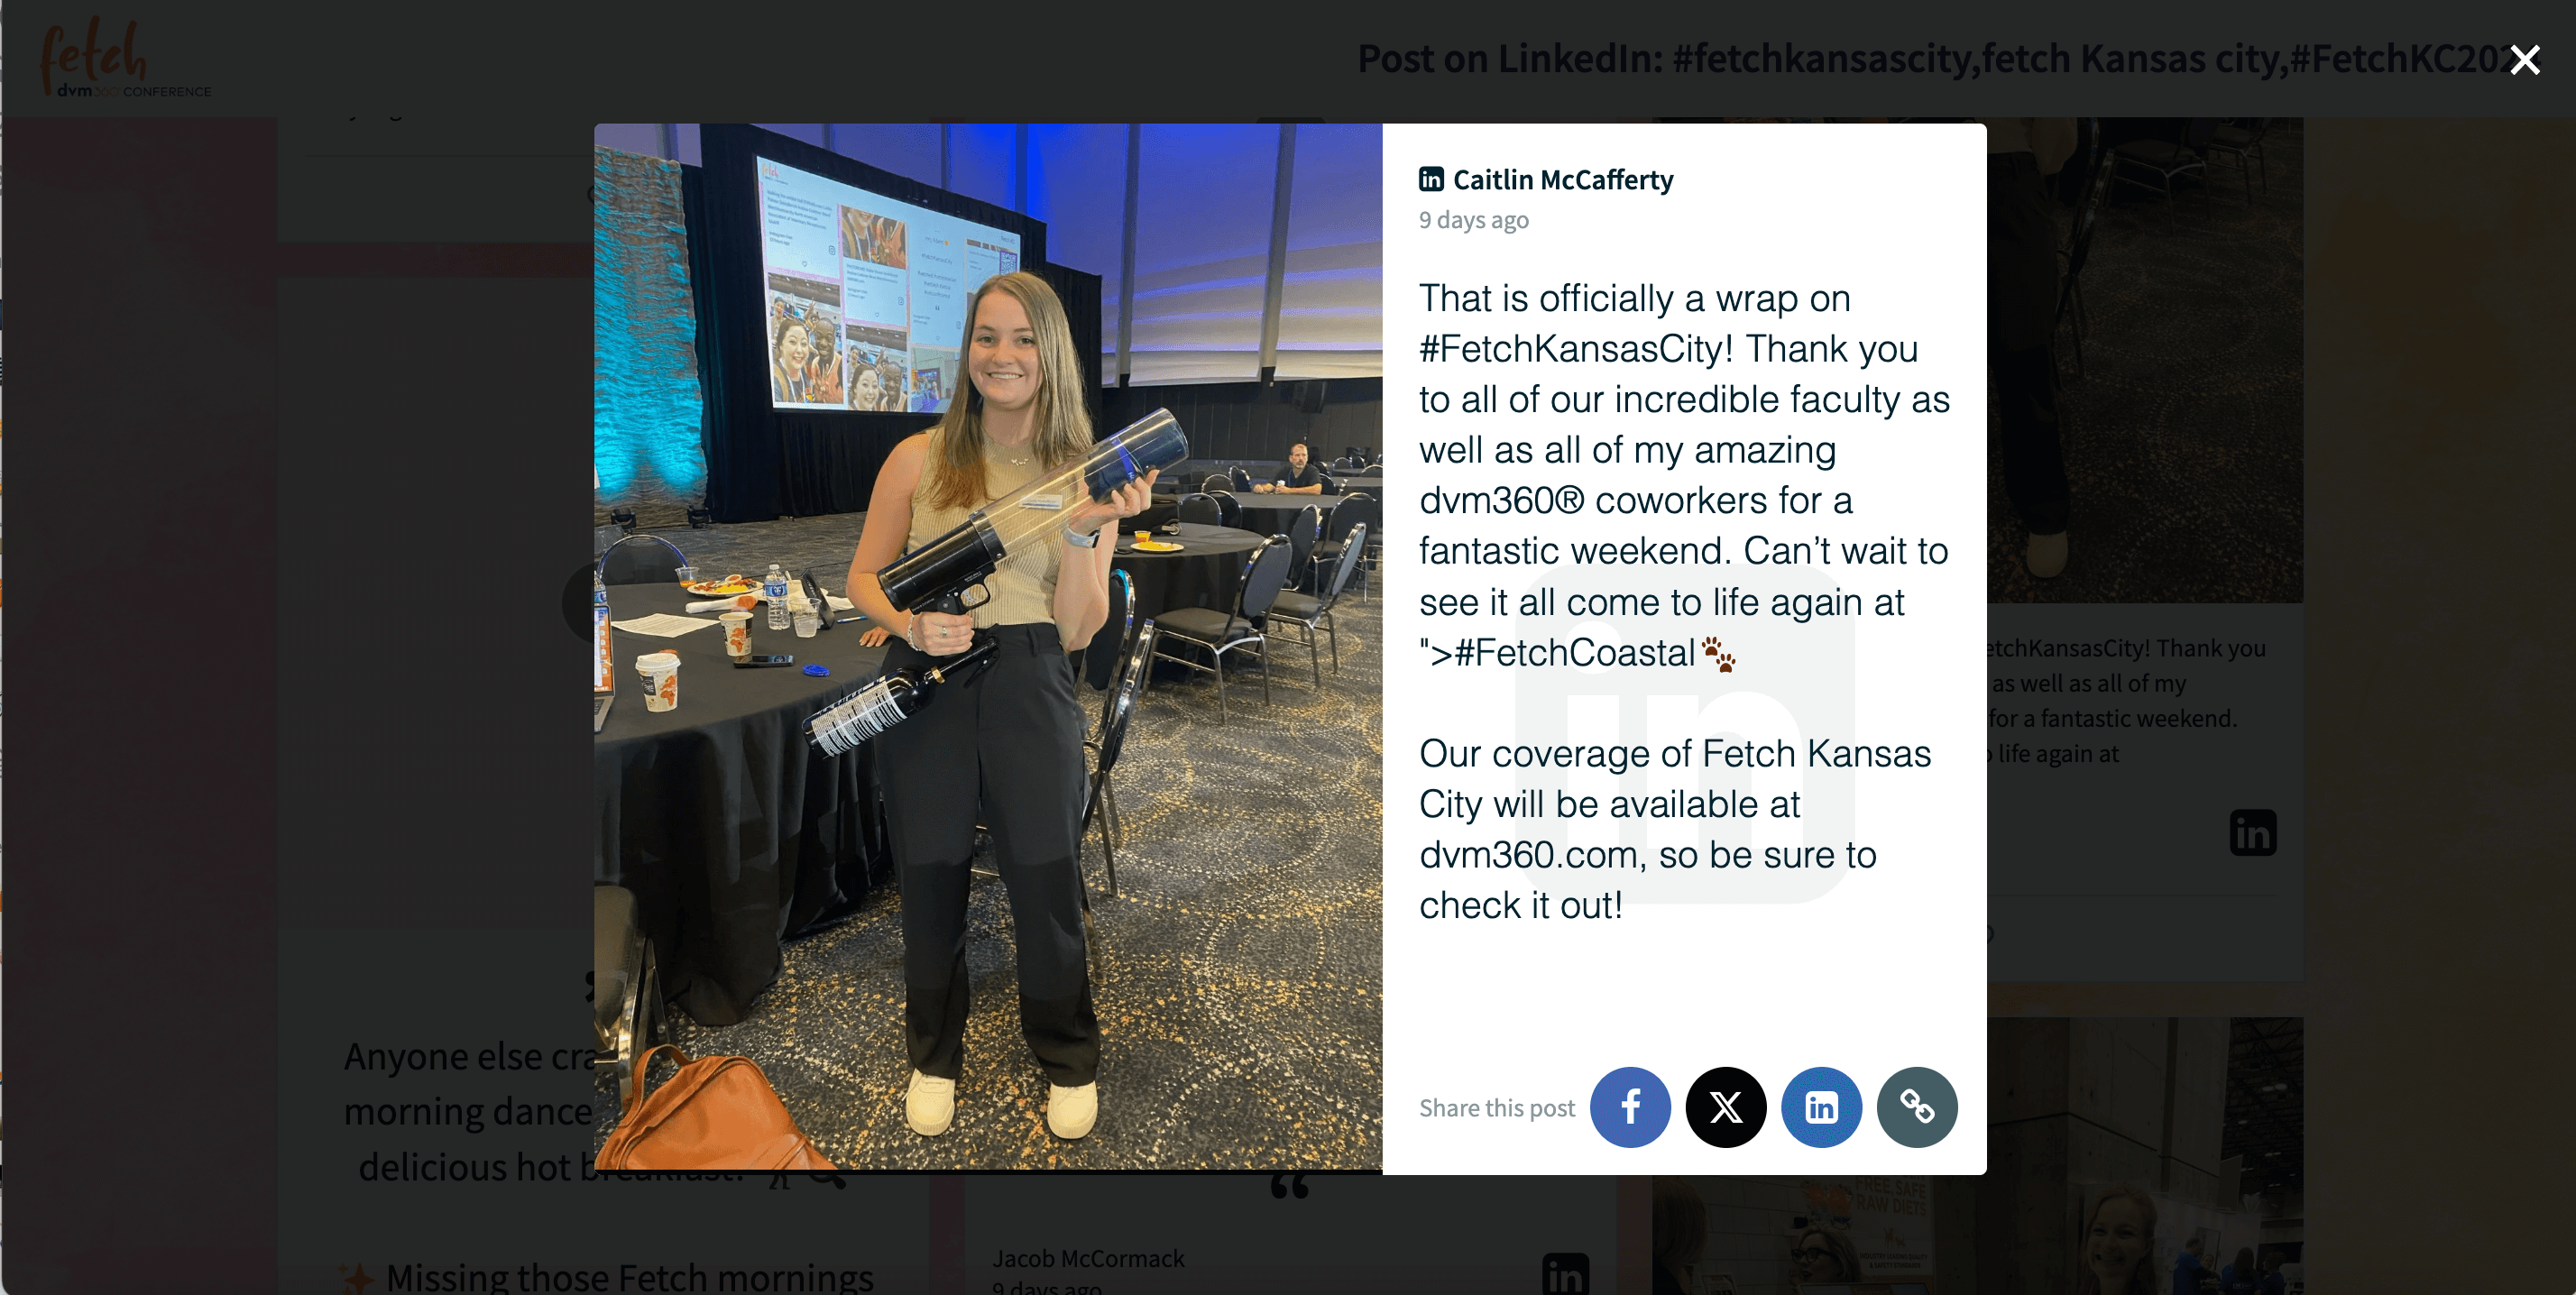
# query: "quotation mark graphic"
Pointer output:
{"type": "Point", "coordinates": [1725, 660]}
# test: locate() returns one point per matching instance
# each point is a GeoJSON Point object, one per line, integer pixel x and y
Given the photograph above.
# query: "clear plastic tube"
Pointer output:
{"type": "Point", "coordinates": [935, 576]}
{"type": "Point", "coordinates": [1152, 442]}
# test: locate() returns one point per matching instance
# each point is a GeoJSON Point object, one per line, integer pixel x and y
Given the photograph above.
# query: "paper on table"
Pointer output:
{"type": "Point", "coordinates": [839, 603]}
{"type": "Point", "coordinates": [662, 624]}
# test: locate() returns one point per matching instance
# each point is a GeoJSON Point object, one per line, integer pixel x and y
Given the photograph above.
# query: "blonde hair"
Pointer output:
{"type": "Point", "coordinates": [1845, 1257]}
{"type": "Point", "coordinates": [1063, 423]}
{"type": "Point", "coordinates": [1680, 1225]}
{"type": "Point", "coordinates": [2143, 1278]}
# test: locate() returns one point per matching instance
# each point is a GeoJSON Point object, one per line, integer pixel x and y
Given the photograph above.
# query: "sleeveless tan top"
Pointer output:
{"type": "Point", "coordinates": [1023, 586]}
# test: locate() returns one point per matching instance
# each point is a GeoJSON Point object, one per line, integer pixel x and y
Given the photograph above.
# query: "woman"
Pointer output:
{"type": "Point", "coordinates": [1821, 1256]}
{"type": "Point", "coordinates": [869, 391]}
{"type": "Point", "coordinates": [1679, 1231]}
{"type": "Point", "coordinates": [2239, 1278]}
{"type": "Point", "coordinates": [790, 352]}
{"type": "Point", "coordinates": [2120, 1244]}
{"type": "Point", "coordinates": [1010, 736]}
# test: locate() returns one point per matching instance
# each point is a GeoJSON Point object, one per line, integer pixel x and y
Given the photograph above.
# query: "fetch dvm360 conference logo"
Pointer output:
{"type": "Point", "coordinates": [89, 60]}
{"type": "Point", "coordinates": [79, 67]}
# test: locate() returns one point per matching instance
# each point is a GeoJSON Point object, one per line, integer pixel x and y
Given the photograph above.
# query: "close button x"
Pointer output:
{"type": "Point", "coordinates": [2525, 61]}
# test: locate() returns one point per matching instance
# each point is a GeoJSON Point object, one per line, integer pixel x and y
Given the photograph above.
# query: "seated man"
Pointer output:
{"type": "Point", "coordinates": [1300, 476]}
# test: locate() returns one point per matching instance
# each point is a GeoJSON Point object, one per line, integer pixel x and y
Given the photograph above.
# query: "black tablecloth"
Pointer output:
{"type": "Point", "coordinates": [1371, 486]}
{"type": "Point", "coordinates": [1205, 573]}
{"type": "Point", "coordinates": [731, 829]}
{"type": "Point", "coordinates": [1270, 514]}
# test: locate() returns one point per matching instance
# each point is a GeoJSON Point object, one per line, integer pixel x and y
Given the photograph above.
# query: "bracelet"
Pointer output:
{"type": "Point", "coordinates": [908, 627]}
{"type": "Point", "coordinates": [1081, 541]}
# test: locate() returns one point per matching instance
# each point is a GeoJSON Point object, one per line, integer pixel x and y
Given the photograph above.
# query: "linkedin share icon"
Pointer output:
{"type": "Point", "coordinates": [1821, 1107]}
{"type": "Point", "coordinates": [1725, 1107]}
{"type": "Point", "coordinates": [1630, 1107]}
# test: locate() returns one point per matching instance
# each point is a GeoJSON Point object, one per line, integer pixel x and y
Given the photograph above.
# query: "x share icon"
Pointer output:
{"type": "Point", "coordinates": [1725, 1107]}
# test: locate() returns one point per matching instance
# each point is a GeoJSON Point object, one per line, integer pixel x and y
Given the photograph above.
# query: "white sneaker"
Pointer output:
{"type": "Point", "coordinates": [2046, 555]}
{"type": "Point", "coordinates": [1070, 1112]}
{"type": "Point", "coordinates": [930, 1105]}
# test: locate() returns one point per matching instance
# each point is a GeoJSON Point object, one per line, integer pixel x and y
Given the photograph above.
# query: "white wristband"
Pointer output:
{"type": "Point", "coordinates": [1081, 541]}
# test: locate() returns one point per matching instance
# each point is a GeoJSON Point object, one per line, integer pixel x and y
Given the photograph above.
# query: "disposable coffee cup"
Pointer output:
{"type": "Point", "coordinates": [661, 674]}
{"type": "Point", "coordinates": [737, 632]}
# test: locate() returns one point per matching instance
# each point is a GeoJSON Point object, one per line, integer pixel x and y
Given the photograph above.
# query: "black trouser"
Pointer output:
{"type": "Point", "coordinates": [1010, 742]}
{"type": "Point", "coordinates": [2021, 321]}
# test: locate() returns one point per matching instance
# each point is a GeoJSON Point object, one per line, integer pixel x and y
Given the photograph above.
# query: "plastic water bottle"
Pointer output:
{"type": "Point", "coordinates": [775, 590]}
{"type": "Point", "coordinates": [599, 624]}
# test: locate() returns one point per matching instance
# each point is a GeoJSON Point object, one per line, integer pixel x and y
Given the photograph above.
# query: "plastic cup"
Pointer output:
{"type": "Point", "coordinates": [685, 574]}
{"type": "Point", "coordinates": [807, 622]}
{"type": "Point", "coordinates": [661, 674]}
{"type": "Point", "coordinates": [737, 632]}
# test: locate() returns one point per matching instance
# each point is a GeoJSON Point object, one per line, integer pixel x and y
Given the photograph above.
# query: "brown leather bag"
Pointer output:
{"type": "Point", "coordinates": [717, 1113]}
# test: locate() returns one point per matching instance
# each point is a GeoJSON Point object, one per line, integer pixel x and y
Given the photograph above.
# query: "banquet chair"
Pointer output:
{"type": "Point", "coordinates": [1201, 508]}
{"type": "Point", "coordinates": [1108, 645]}
{"type": "Point", "coordinates": [1265, 572]}
{"type": "Point", "coordinates": [1242, 478]}
{"type": "Point", "coordinates": [1331, 487]}
{"type": "Point", "coordinates": [2243, 143]}
{"type": "Point", "coordinates": [2079, 248]}
{"type": "Point", "coordinates": [641, 560]}
{"type": "Point", "coordinates": [2168, 160]}
{"type": "Point", "coordinates": [1305, 531]}
{"type": "Point", "coordinates": [625, 987]}
{"type": "Point", "coordinates": [1228, 508]}
{"type": "Point", "coordinates": [1308, 612]}
{"type": "Point", "coordinates": [1217, 481]}
{"type": "Point", "coordinates": [1356, 510]}
{"type": "Point", "coordinates": [1102, 802]}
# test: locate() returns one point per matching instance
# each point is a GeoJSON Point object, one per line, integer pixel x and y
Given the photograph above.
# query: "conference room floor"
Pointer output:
{"type": "Point", "coordinates": [1236, 973]}
{"type": "Point", "coordinates": [2185, 436]}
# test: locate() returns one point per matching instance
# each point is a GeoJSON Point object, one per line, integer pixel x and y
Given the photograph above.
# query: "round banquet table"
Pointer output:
{"type": "Point", "coordinates": [1262, 514]}
{"type": "Point", "coordinates": [1371, 486]}
{"type": "Point", "coordinates": [1270, 514]}
{"type": "Point", "coordinates": [733, 831]}
{"type": "Point", "coordinates": [1206, 572]}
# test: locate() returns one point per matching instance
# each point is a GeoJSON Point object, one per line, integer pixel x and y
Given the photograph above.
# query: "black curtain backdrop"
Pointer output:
{"type": "Point", "coordinates": [1248, 422]}
{"type": "Point", "coordinates": [764, 463]}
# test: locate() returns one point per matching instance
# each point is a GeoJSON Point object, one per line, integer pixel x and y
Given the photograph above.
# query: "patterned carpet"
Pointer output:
{"type": "Point", "coordinates": [2184, 439]}
{"type": "Point", "coordinates": [1236, 972]}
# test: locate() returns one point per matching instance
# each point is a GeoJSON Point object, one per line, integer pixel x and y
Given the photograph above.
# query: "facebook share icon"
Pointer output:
{"type": "Point", "coordinates": [1630, 1107]}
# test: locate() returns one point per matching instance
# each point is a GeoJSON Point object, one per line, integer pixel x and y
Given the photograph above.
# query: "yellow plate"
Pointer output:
{"type": "Point", "coordinates": [1157, 546]}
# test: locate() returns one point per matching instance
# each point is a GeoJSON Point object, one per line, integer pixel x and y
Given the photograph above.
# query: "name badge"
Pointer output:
{"type": "Point", "coordinates": [1050, 502]}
